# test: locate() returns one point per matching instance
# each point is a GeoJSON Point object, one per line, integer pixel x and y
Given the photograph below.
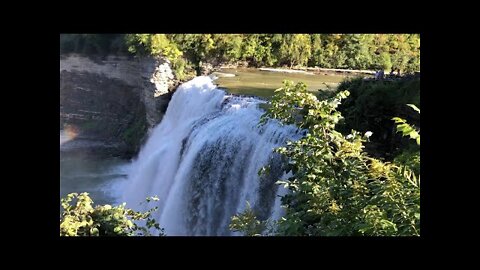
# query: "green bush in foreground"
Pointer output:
{"type": "Point", "coordinates": [336, 188]}
{"type": "Point", "coordinates": [247, 223]}
{"type": "Point", "coordinates": [82, 219]}
{"type": "Point", "coordinates": [371, 107]}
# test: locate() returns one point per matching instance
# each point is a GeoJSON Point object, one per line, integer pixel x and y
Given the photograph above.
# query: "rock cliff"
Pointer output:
{"type": "Point", "coordinates": [115, 100]}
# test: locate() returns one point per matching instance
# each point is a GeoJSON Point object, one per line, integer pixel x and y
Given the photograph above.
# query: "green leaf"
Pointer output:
{"type": "Point", "coordinates": [398, 120]}
{"type": "Point", "coordinates": [414, 107]}
{"type": "Point", "coordinates": [94, 231]}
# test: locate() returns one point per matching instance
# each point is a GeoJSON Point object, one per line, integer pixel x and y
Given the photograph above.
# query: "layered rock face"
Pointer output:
{"type": "Point", "coordinates": [115, 100]}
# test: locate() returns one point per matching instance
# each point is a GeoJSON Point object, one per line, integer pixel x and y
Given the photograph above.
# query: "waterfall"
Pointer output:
{"type": "Point", "coordinates": [202, 162]}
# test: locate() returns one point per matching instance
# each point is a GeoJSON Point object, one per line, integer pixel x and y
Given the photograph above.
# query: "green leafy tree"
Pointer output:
{"type": "Point", "coordinates": [260, 49]}
{"type": "Point", "coordinates": [196, 47]}
{"type": "Point", "coordinates": [399, 52]}
{"type": "Point", "coordinates": [356, 47]}
{"type": "Point", "coordinates": [384, 61]}
{"type": "Point", "coordinates": [317, 52]}
{"type": "Point", "coordinates": [249, 46]}
{"type": "Point", "coordinates": [295, 49]}
{"type": "Point", "coordinates": [153, 44]}
{"type": "Point", "coordinates": [81, 218]}
{"type": "Point", "coordinates": [158, 45]}
{"type": "Point", "coordinates": [334, 56]}
{"type": "Point", "coordinates": [228, 47]}
{"type": "Point", "coordinates": [413, 63]}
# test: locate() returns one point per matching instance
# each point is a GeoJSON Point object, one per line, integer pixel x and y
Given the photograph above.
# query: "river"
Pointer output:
{"type": "Point", "coordinates": [254, 82]}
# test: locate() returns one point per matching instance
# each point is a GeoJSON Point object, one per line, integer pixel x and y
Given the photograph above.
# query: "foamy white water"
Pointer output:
{"type": "Point", "coordinates": [63, 137]}
{"type": "Point", "coordinates": [203, 160]}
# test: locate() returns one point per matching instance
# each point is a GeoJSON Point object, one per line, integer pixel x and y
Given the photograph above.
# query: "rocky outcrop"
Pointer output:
{"type": "Point", "coordinates": [115, 100]}
{"type": "Point", "coordinates": [206, 68]}
{"type": "Point", "coordinates": [158, 85]}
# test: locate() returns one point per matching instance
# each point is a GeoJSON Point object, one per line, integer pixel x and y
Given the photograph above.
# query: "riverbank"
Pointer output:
{"type": "Point", "coordinates": [286, 70]}
{"type": "Point", "coordinates": [300, 70]}
{"type": "Point", "coordinates": [262, 83]}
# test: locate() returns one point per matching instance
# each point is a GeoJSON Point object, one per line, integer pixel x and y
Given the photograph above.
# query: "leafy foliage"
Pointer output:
{"type": "Point", "coordinates": [295, 49]}
{"type": "Point", "coordinates": [371, 106]}
{"type": "Point", "coordinates": [82, 219]}
{"type": "Point", "coordinates": [154, 44]}
{"type": "Point", "coordinates": [409, 157]}
{"type": "Point", "coordinates": [405, 128]}
{"type": "Point", "coordinates": [336, 188]}
{"type": "Point", "coordinates": [247, 223]}
{"type": "Point", "coordinates": [357, 51]}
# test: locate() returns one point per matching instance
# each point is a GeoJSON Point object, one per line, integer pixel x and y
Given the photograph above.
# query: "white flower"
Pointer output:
{"type": "Point", "coordinates": [368, 134]}
{"type": "Point", "coordinates": [349, 136]}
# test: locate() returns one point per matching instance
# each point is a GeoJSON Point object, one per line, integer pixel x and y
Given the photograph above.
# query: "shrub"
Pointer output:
{"type": "Point", "coordinates": [371, 106]}
{"type": "Point", "coordinates": [82, 219]}
{"type": "Point", "coordinates": [336, 189]}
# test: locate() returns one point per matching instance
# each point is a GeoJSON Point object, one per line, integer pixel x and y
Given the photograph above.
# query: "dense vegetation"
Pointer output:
{"type": "Point", "coordinates": [371, 107]}
{"type": "Point", "coordinates": [399, 52]}
{"type": "Point", "coordinates": [80, 218]}
{"type": "Point", "coordinates": [336, 188]}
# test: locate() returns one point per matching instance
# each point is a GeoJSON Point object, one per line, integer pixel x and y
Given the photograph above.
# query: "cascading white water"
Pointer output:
{"type": "Point", "coordinates": [202, 161]}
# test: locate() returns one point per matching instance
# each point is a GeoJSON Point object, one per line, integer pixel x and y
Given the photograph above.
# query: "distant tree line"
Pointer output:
{"type": "Point", "coordinates": [399, 52]}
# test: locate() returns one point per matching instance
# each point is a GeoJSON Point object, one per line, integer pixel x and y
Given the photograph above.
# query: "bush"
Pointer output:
{"type": "Point", "coordinates": [336, 189]}
{"type": "Point", "coordinates": [82, 219]}
{"type": "Point", "coordinates": [371, 106]}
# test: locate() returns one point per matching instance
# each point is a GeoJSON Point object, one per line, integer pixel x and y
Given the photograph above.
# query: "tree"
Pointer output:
{"type": "Point", "coordinates": [153, 44]}
{"type": "Point", "coordinates": [333, 56]}
{"type": "Point", "coordinates": [356, 51]}
{"type": "Point", "coordinates": [259, 49]}
{"type": "Point", "coordinates": [159, 45]}
{"type": "Point", "coordinates": [197, 47]}
{"type": "Point", "coordinates": [228, 46]}
{"type": "Point", "coordinates": [316, 55]}
{"type": "Point", "coordinates": [295, 49]}
{"type": "Point", "coordinates": [384, 61]}
{"type": "Point", "coordinates": [399, 51]}
{"type": "Point", "coordinates": [413, 63]}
